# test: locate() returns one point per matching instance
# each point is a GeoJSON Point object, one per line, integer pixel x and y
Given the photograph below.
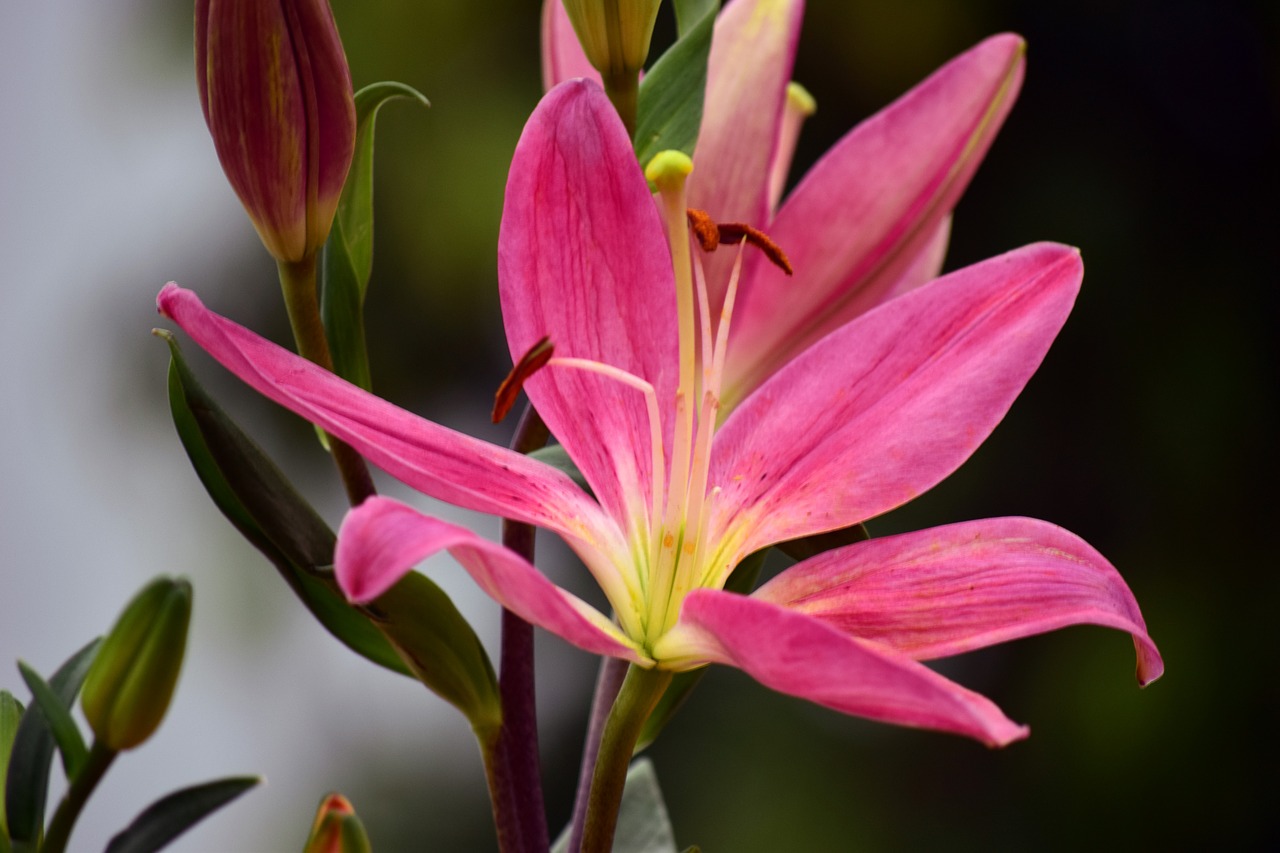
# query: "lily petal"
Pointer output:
{"type": "Point", "coordinates": [939, 592]}
{"type": "Point", "coordinates": [582, 259]}
{"type": "Point", "coordinates": [382, 539]}
{"type": "Point", "coordinates": [753, 51]}
{"type": "Point", "coordinates": [806, 657]}
{"type": "Point", "coordinates": [562, 56]}
{"type": "Point", "coordinates": [444, 464]}
{"type": "Point", "coordinates": [883, 409]}
{"type": "Point", "coordinates": [867, 209]}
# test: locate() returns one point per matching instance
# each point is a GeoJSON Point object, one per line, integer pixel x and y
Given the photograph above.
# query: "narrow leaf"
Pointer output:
{"type": "Point", "coordinates": [260, 502]}
{"type": "Point", "coordinates": [413, 629]}
{"type": "Point", "coordinates": [347, 260]}
{"type": "Point", "coordinates": [10, 714]}
{"type": "Point", "coordinates": [170, 816]}
{"type": "Point", "coordinates": [441, 647]}
{"type": "Point", "coordinates": [669, 110]}
{"type": "Point", "coordinates": [690, 12]}
{"type": "Point", "coordinates": [27, 780]}
{"type": "Point", "coordinates": [65, 733]}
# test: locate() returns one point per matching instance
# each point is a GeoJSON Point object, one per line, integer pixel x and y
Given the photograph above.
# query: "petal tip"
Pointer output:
{"type": "Point", "coordinates": [1006, 734]}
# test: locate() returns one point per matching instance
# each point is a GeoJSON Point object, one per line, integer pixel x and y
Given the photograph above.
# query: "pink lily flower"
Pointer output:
{"type": "Point", "coordinates": [868, 222]}
{"type": "Point", "coordinates": [862, 421]}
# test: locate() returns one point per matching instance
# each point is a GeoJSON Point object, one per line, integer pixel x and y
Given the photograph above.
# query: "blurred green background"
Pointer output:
{"type": "Point", "coordinates": [1146, 134]}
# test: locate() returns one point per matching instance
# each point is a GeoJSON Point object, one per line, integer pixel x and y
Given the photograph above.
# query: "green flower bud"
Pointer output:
{"type": "Point", "coordinates": [131, 681]}
{"type": "Point", "coordinates": [614, 33]}
{"type": "Point", "coordinates": [337, 829]}
{"type": "Point", "coordinates": [276, 94]}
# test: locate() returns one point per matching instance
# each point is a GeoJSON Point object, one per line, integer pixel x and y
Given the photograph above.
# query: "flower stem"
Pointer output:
{"type": "Point", "coordinates": [100, 758]}
{"type": "Point", "coordinates": [518, 809]}
{"type": "Point", "coordinates": [641, 690]}
{"type": "Point", "coordinates": [298, 281]}
{"type": "Point", "coordinates": [608, 683]}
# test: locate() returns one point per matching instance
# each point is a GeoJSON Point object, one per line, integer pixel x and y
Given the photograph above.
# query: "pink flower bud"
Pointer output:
{"type": "Point", "coordinates": [277, 96]}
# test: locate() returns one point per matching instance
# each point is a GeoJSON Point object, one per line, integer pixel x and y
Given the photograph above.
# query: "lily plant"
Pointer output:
{"type": "Point", "coordinates": [619, 351]}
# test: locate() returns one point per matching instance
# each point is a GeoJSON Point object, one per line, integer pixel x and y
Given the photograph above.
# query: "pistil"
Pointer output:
{"type": "Point", "coordinates": [668, 171]}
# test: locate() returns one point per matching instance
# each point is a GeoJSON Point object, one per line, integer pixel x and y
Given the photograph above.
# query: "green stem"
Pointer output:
{"type": "Point", "coordinates": [623, 90]}
{"type": "Point", "coordinates": [298, 281]}
{"type": "Point", "coordinates": [100, 758]}
{"type": "Point", "coordinates": [641, 690]}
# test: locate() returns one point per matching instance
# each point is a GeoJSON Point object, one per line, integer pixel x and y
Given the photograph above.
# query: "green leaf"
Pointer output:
{"type": "Point", "coordinates": [690, 12]}
{"type": "Point", "coordinates": [742, 581]}
{"type": "Point", "coordinates": [413, 629]}
{"type": "Point", "coordinates": [347, 259]}
{"type": "Point", "coordinates": [442, 649]}
{"type": "Point", "coordinates": [173, 814]}
{"type": "Point", "coordinates": [27, 779]}
{"type": "Point", "coordinates": [643, 823]}
{"type": "Point", "coordinates": [557, 457]}
{"type": "Point", "coordinates": [65, 733]}
{"type": "Point", "coordinates": [260, 502]}
{"type": "Point", "coordinates": [669, 110]}
{"type": "Point", "coordinates": [820, 543]}
{"type": "Point", "coordinates": [10, 714]}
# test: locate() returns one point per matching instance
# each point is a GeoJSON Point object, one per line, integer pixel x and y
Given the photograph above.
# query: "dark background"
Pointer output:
{"type": "Point", "coordinates": [1146, 135]}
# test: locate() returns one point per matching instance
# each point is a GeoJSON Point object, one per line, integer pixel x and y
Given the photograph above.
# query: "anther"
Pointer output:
{"type": "Point", "coordinates": [711, 234]}
{"type": "Point", "coordinates": [704, 229]}
{"type": "Point", "coordinates": [530, 363]}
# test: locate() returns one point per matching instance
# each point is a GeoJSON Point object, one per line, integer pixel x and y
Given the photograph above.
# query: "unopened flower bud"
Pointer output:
{"type": "Point", "coordinates": [276, 94]}
{"type": "Point", "coordinates": [131, 681]}
{"type": "Point", "coordinates": [614, 33]}
{"type": "Point", "coordinates": [337, 829]}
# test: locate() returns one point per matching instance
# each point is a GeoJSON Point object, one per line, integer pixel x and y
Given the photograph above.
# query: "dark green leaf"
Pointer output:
{"type": "Point", "coordinates": [442, 649]}
{"type": "Point", "coordinates": [669, 110]}
{"type": "Point", "coordinates": [65, 733]}
{"type": "Point", "coordinates": [347, 260]}
{"type": "Point", "coordinates": [812, 546]}
{"type": "Point", "coordinates": [256, 497]}
{"type": "Point", "coordinates": [27, 780]}
{"type": "Point", "coordinates": [173, 814]}
{"type": "Point", "coordinates": [690, 12]}
{"type": "Point", "coordinates": [742, 581]}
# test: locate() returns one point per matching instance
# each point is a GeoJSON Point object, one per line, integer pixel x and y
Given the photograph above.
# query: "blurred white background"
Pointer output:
{"type": "Point", "coordinates": [109, 187]}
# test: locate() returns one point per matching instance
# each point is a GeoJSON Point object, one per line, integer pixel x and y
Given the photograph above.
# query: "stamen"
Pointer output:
{"type": "Point", "coordinates": [711, 234]}
{"type": "Point", "coordinates": [530, 363]}
{"type": "Point", "coordinates": [704, 228]}
{"type": "Point", "coordinates": [732, 232]}
{"type": "Point", "coordinates": [658, 460]}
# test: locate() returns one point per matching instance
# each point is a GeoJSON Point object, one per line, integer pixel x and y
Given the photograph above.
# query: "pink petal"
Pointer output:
{"type": "Point", "coordinates": [948, 590]}
{"type": "Point", "coordinates": [562, 56]}
{"type": "Point", "coordinates": [870, 206]}
{"type": "Point", "coordinates": [881, 410]}
{"type": "Point", "coordinates": [806, 657]}
{"type": "Point", "coordinates": [752, 54]}
{"type": "Point", "coordinates": [447, 465]}
{"type": "Point", "coordinates": [382, 539]}
{"type": "Point", "coordinates": [582, 258]}
{"type": "Point", "coordinates": [927, 264]}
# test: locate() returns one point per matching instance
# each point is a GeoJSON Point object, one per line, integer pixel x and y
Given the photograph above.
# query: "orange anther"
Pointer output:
{"type": "Point", "coordinates": [530, 363]}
